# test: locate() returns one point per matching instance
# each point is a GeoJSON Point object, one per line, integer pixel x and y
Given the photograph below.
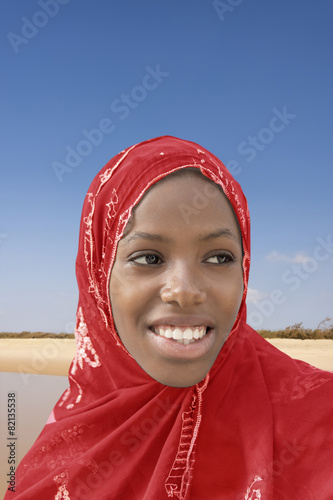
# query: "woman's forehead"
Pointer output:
{"type": "Point", "coordinates": [188, 172]}
{"type": "Point", "coordinates": [187, 197]}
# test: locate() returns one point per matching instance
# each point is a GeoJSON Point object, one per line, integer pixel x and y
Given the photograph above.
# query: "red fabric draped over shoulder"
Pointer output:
{"type": "Point", "coordinates": [257, 427]}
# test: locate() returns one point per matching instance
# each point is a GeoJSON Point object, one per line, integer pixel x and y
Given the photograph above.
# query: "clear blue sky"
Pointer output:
{"type": "Point", "coordinates": [251, 82]}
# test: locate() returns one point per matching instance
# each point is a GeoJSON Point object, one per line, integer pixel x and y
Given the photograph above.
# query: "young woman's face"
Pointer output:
{"type": "Point", "coordinates": [177, 280]}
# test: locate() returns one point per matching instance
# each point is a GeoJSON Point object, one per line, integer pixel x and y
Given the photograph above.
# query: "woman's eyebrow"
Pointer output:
{"type": "Point", "coordinates": [146, 236]}
{"type": "Point", "coordinates": [223, 232]}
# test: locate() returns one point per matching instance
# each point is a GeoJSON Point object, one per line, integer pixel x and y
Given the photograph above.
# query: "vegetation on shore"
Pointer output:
{"type": "Point", "coordinates": [323, 331]}
{"type": "Point", "coordinates": [36, 335]}
{"type": "Point", "coordinates": [297, 331]}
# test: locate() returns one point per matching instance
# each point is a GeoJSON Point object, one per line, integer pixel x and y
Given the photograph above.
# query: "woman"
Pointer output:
{"type": "Point", "coordinates": [171, 393]}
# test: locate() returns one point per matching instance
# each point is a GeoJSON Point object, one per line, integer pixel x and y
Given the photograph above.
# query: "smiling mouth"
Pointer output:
{"type": "Point", "coordinates": [181, 334]}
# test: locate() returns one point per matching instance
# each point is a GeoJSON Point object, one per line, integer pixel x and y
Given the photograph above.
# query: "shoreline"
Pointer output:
{"type": "Point", "coordinates": [37, 356]}
{"type": "Point", "coordinates": [50, 356]}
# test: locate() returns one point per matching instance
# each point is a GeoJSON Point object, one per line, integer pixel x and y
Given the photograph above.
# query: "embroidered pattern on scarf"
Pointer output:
{"type": "Point", "coordinates": [180, 476]}
{"type": "Point", "coordinates": [252, 492]}
{"type": "Point", "coordinates": [62, 481]}
{"type": "Point", "coordinates": [85, 353]}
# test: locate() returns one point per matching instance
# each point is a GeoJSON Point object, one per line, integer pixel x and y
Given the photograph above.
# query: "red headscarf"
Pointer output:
{"type": "Point", "coordinates": [258, 427]}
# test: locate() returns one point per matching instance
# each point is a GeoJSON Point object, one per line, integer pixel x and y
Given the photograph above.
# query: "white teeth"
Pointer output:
{"type": "Point", "coordinates": [183, 335]}
{"type": "Point", "coordinates": [188, 334]}
{"type": "Point", "coordinates": [196, 334]}
{"type": "Point", "coordinates": [177, 334]}
{"type": "Point", "coordinates": [201, 332]}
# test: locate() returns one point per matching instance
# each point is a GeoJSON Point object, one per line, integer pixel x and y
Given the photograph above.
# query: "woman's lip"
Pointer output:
{"type": "Point", "coordinates": [170, 348]}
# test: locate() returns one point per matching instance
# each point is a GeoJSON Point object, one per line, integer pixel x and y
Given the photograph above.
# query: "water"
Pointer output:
{"type": "Point", "coordinates": [35, 396]}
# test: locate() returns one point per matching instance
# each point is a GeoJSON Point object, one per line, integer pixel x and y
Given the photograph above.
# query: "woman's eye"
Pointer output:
{"type": "Point", "coordinates": [147, 259]}
{"type": "Point", "coordinates": [219, 259]}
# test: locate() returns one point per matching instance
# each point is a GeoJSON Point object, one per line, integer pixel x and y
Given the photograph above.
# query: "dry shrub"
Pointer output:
{"type": "Point", "coordinates": [36, 335]}
{"type": "Point", "coordinates": [323, 331]}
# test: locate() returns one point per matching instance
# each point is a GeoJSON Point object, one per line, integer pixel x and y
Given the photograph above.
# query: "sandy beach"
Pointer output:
{"type": "Point", "coordinates": [318, 353]}
{"type": "Point", "coordinates": [37, 356]}
{"type": "Point", "coordinates": [53, 356]}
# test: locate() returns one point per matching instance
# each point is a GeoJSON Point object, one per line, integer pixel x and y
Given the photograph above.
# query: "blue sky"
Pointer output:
{"type": "Point", "coordinates": [250, 81]}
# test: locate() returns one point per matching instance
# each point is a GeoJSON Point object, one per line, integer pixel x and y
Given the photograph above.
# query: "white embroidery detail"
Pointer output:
{"type": "Point", "coordinates": [85, 353]}
{"type": "Point", "coordinates": [180, 477]}
{"type": "Point", "coordinates": [300, 386]}
{"type": "Point", "coordinates": [251, 493]}
{"type": "Point", "coordinates": [65, 396]}
{"type": "Point", "coordinates": [62, 481]}
{"type": "Point", "coordinates": [79, 397]}
{"type": "Point", "coordinates": [62, 494]}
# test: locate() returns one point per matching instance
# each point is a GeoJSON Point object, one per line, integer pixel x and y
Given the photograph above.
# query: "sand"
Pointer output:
{"type": "Point", "coordinates": [53, 356]}
{"type": "Point", "coordinates": [318, 353]}
{"type": "Point", "coordinates": [38, 356]}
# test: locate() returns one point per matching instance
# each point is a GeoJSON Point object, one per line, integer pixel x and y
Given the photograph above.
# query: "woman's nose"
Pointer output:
{"type": "Point", "coordinates": [182, 287]}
